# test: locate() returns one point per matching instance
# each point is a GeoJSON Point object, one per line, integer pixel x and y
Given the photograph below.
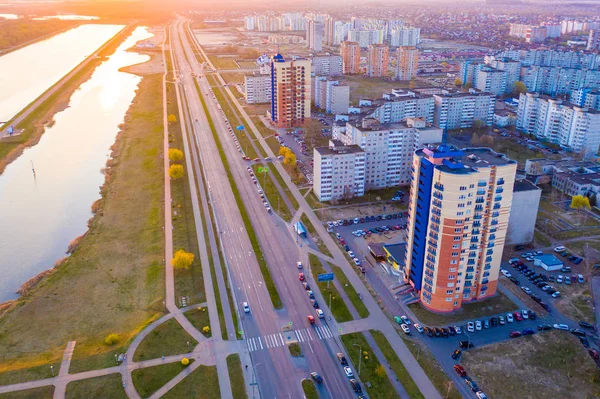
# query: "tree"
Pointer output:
{"type": "Point", "coordinates": [171, 118]}
{"type": "Point", "coordinates": [206, 329]}
{"type": "Point", "coordinates": [290, 159]}
{"type": "Point", "coordinates": [175, 154]}
{"type": "Point", "coordinates": [380, 371]}
{"type": "Point", "coordinates": [457, 82]}
{"type": "Point", "coordinates": [475, 139]}
{"type": "Point", "coordinates": [111, 339]}
{"type": "Point", "coordinates": [176, 171]}
{"type": "Point", "coordinates": [182, 259]}
{"type": "Point", "coordinates": [487, 141]}
{"type": "Point", "coordinates": [478, 124]}
{"type": "Point", "coordinates": [519, 88]}
{"type": "Point", "coordinates": [580, 202]}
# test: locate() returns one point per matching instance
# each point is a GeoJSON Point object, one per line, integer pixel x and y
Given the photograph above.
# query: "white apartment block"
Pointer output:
{"type": "Point", "coordinates": [560, 122]}
{"type": "Point", "coordinates": [398, 107]}
{"type": "Point", "coordinates": [366, 37]}
{"type": "Point", "coordinates": [331, 95]}
{"type": "Point", "coordinates": [586, 98]}
{"type": "Point", "coordinates": [556, 81]}
{"type": "Point", "coordinates": [407, 36]}
{"type": "Point", "coordinates": [554, 58]}
{"type": "Point", "coordinates": [339, 171]}
{"type": "Point", "coordinates": [491, 80]}
{"type": "Point", "coordinates": [389, 148]}
{"type": "Point", "coordinates": [510, 66]}
{"type": "Point", "coordinates": [461, 110]}
{"type": "Point", "coordinates": [314, 35]}
{"type": "Point", "coordinates": [327, 65]}
{"type": "Point", "coordinates": [257, 89]}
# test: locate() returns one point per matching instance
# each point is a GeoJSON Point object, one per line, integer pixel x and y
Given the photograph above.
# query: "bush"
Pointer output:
{"type": "Point", "coordinates": [185, 361]}
{"type": "Point", "coordinates": [176, 172]}
{"type": "Point", "coordinates": [175, 154]}
{"type": "Point", "coordinates": [182, 259]}
{"type": "Point", "coordinates": [111, 339]}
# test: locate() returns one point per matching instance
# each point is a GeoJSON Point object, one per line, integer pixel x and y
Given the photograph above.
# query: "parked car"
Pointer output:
{"type": "Point", "coordinates": [451, 331]}
{"type": "Point", "coordinates": [528, 331]}
{"type": "Point", "coordinates": [517, 316]}
{"type": "Point", "coordinates": [559, 249]}
{"type": "Point", "coordinates": [585, 324]}
{"type": "Point", "coordinates": [472, 384]}
{"type": "Point", "coordinates": [419, 328]}
{"type": "Point", "coordinates": [578, 261]}
{"type": "Point", "coordinates": [342, 359]}
{"type": "Point", "coordinates": [405, 319]}
{"type": "Point", "coordinates": [544, 327]}
{"type": "Point", "coordinates": [594, 354]}
{"type": "Point", "coordinates": [480, 395]}
{"type": "Point", "coordinates": [478, 325]}
{"type": "Point", "coordinates": [301, 276]}
{"type": "Point", "coordinates": [348, 372]}
{"type": "Point", "coordinates": [579, 332]}
{"type": "Point", "coordinates": [515, 334]}
{"type": "Point", "coordinates": [456, 354]}
{"type": "Point", "coordinates": [460, 370]}
{"type": "Point", "coordinates": [405, 328]}
{"type": "Point", "coordinates": [465, 344]}
{"type": "Point", "coordinates": [561, 327]}
{"type": "Point", "coordinates": [501, 320]}
{"type": "Point", "coordinates": [470, 327]}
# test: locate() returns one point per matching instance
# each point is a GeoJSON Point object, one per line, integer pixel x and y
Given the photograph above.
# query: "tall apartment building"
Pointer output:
{"type": "Point", "coordinates": [458, 217]}
{"type": "Point", "coordinates": [491, 80]}
{"type": "Point", "coordinates": [329, 30]}
{"type": "Point", "coordinates": [331, 95]}
{"type": "Point", "coordinates": [593, 40]}
{"type": "Point", "coordinates": [257, 89]}
{"type": "Point", "coordinates": [339, 171]}
{"type": "Point", "coordinates": [556, 81]}
{"type": "Point", "coordinates": [314, 35]}
{"type": "Point", "coordinates": [405, 36]}
{"type": "Point", "coordinates": [350, 52]}
{"type": "Point", "coordinates": [327, 65]}
{"type": "Point", "coordinates": [389, 148]}
{"type": "Point", "coordinates": [377, 60]}
{"type": "Point", "coordinates": [560, 122]}
{"type": "Point", "coordinates": [511, 67]}
{"type": "Point", "coordinates": [397, 108]}
{"type": "Point", "coordinates": [468, 72]}
{"type": "Point", "coordinates": [461, 110]}
{"type": "Point", "coordinates": [586, 98]}
{"type": "Point", "coordinates": [290, 91]}
{"type": "Point", "coordinates": [407, 58]}
{"type": "Point", "coordinates": [365, 38]}
{"type": "Point", "coordinates": [531, 34]}
{"type": "Point", "coordinates": [554, 58]}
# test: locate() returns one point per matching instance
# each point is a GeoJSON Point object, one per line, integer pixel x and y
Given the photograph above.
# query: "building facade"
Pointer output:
{"type": "Point", "coordinates": [314, 35]}
{"type": "Point", "coordinates": [462, 110]}
{"type": "Point", "coordinates": [377, 60]}
{"type": "Point", "coordinates": [405, 36]}
{"type": "Point", "coordinates": [327, 65]}
{"type": "Point", "coordinates": [458, 217]}
{"type": "Point", "coordinates": [407, 58]}
{"type": "Point", "coordinates": [257, 89]}
{"type": "Point", "coordinates": [491, 80]}
{"type": "Point", "coordinates": [397, 108]}
{"type": "Point", "coordinates": [290, 91]}
{"type": "Point", "coordinates": [331, 95]}
{"type": "Point", "coordinates": [350, 52]}
{"type": "Point", "coordinates": [339, 171]}
{"type": "Point", "coordinates": [523, 212]}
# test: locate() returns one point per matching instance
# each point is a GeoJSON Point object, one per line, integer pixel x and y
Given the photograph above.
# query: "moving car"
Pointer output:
{"type": "Point", "coordinates": [419, 328]}
{"type": "Point", "coordinates": [348, 372]}
{"type": "Point", "coordinates": [405, 319]}
{"type": "Point", "coordinates": [246, 307]}
{"type": "Point", "coordinates": [299, 265]}
{"type": "Point", "coordinates": [315, 376]}
{"type": "Point", "coordinates": [405, 328]}
{"type": "Point", "coordinates": [342, 359]}
{"type": "Point", "coordinates": [301, 276]}
{"type": "Point", "coordinates": [311, 295]}
{"type": "Point", "coordinates": [311, 319]}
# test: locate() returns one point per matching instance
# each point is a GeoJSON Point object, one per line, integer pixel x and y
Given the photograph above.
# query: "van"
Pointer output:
{"type": "Point", "coordinates": [355, 385]}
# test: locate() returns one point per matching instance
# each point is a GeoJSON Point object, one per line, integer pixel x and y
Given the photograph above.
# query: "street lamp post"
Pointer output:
{"type": "Point", "coordinates": [469, 340]}
{"type": "Point", "coordinates": [52, 370]}
{"type": "Point", "coordinates": [116, 358]}
{"type": "Point", "coordinates": [359, 357]}
{"type": "Point", "coordinates": [254, 378]}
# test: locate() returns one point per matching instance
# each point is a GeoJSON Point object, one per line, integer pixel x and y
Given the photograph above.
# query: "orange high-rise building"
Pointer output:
{"type": "Point", "coordinates": [350, 52]}
{"type": "Point", "coordinates": [377, 60]}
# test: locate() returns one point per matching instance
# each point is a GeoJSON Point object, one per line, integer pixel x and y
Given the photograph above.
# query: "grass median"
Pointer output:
{"type": "Point", "coordinates": [236, 377]}
{"type": "Point", "coordinates": [330, 293]}
{"type": "Point", "coordinates": [310, 391]}
{"type": "Point", "coordinates": [202, 383]}
{"type": "Point", "coordinates": [270, 284]}
{"type": "Point", "coordinates": [148, 380]}
{"type": "Point", "coordinates": [200, 319]}
{"type": "Point", "coordinates": [358, 303]}
{"type": "Point", "coordinates": [272, 193]}
{"type": "Point", "coordinates": [372, 372]}
{"type": "Point", "coordinates": [46, 392]}
{"type": "Point", "coordinates": [315, 236]}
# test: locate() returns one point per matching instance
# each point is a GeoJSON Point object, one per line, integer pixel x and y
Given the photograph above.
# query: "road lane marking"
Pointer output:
{"type": "Point", "coordinates": [330, 334]}
{"type": "Point", "coordinates": [310, 338]}
{"type": "Point", "coordinates": [299, 336]}
{"type": "Point", "coordinates": [319, 333]}
{"type": "Point", "coordinates": [260, 342]}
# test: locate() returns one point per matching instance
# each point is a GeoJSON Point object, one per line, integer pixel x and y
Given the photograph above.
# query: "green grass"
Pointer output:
{"type": "Point", "coordinates": [294, 349]}
{"type": "Point", "coordinates": [285, 188]}
{"type": "Point", "coordinates": [498, 304]}
{"type": "Point", "coordinates": [316, 237]}
{"type": "Point", "coordinates": [371, 369]}
{"type": "Point", "coordinates": [233, 78]}
{"type": "Point", "coordinates": [273, 144]}
{"type": "Point", "coordinates": [114, 281]}
{"type": "Point", "coordinates": [272, 193]}
{"type": "Point", "coordinates": [313, 201]}
{"type": "Point", "coordinates": [46, 392]}
{"type": "Point", "coordinates": [540, 239]}
{"type": "Point", "coordinates": [28, 374]}
{"type": "Point", "coordinates": [107, 386]}
{"type": "Point", "coordinates": [148, 380]}
{"type": "Point", "coordinates": [223, 62]}
{"type": "Point", "coordinates": [264, 131]}
{"type": "Point", "coordinates": [236, 377]}
{"type": "Point", "coordinates": [392, 358]}
{"type": "Point", "coordinates": [338, 308]}
{"type": "Point", "coordinates": [202, 383]}
{"type": "Point", "coordinates": [167, 339]}
{"type": "Point", "coordinates": [199, 318]}
{"type": "Point", "coordinates": [310, 391]}
{"type": "Point", "coordinates": [358, 303]}
{"type": "Point", "coordinates": [270, 284]}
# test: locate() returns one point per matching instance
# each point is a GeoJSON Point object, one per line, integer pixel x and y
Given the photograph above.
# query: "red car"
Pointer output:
{"type": "Point", "coordinates": [518, 316]}
{"type": "Point", "coordinates": [311, 319]}
{"type": "Point", "coordinates": [301, 276]}
{"type": "Point", "coordinates": [460, 370]}
{"type": "Point", "coordinates": [515, 334]}
{"type": "Point", "coordinates": [594, 354]}
{"type": "Point", "coordinates": [342, 241]}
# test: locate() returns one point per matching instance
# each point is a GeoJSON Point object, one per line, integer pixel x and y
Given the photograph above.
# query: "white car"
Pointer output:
{"type": "Point", "coordinates": [505, 272]}
{"type": "Point", "coordinates": [357, 262]}
{"type": "Point", "coordinates": [556, 294]}
{"type": "Point", "coordinates": [525, 314]}
{"type": "Point", "coordinates": [559, 249]}
{"type": "Point", "coordinates": [348, 372]}
{"type": "Point", "coordinates": [526, 290]}
{"type": "Point", "coordinates": [351, 254]}
{"type": "Point", "coordinates": [509, 317]}
{"type": "Point", "coordinates": [513, 260]}
{"type": "Point", "coordinates": [471, 327]}
{"type": "Point", "coordinates": [299, 265]}
{"type": "Point", "coordinates": [458, 330]}
{"type": "Point", "coordinates": [320, 313]}
{"type": "Point", "coordinates": [405, 328]}
{"type": "Point", "coordinates": [419, 328]}
{"type": "Point", "coordinates": [480, 395]}
{"type": "Point", "coordinates": [246, 307]}
{"type": "Point", "coordinates": [478, 325]}
{"type": "Point", "coordinates": [405, 320]}
{"type": "Point", "coordinates": [561, 327]}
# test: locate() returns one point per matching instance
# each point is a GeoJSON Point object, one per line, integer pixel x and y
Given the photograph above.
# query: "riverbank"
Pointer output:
{"type": "Point", "coordinates": [113, 283]}
{"type": "Point", "coordinates": [54, 28]}
{"type": "Point", "coordinates": [34, 118]}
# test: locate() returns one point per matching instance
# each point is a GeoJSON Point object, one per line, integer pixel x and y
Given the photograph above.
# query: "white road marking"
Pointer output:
{"type": "Point", "coordinates": [260, 342]}
{"type": "Point", "coordinates": [299, 336]}
{"type": "Point", "coordinates": [282, 340]}
{"type": "Point", "coordinates": [319, 333]}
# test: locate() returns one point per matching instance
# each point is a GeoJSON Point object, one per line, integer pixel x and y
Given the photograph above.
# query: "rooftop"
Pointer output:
{"type": "Point", "coordinates": [337, 148]}
{"type": "Point", "coordinates": [396, 251]}
{"type": "Point", "coordinates": [466, 160]}
{"type": "Point", "coordinates": [549, 259]}
{"type": "Point", "coordinates": [524, 185]}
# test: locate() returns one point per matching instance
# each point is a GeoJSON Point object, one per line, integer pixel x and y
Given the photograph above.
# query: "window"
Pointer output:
{"type": "Point", "coordinates": [449, 292]}
{"type": "Point", "coordinates": [451, 276]}
{"type": "Point", "coordinates": [449, 299]}
{"type": "Point", "coordinates": [454, 253]}
{"type": "Point", "coordinates": [458, 230]}
{"type": "Point", "coordinates": [463, 188]}
{"type": "Point", "coordinates": [456, 238]}
{"type": "Point", "coordinates": [453, 262]}
{"type": "Point", "coordinates": [455, 246]}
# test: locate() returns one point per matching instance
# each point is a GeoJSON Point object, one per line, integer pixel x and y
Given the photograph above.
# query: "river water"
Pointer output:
{"type": "Point", "coordinates": [41, 214]}
{"type": "Point", "coordinates": [28, 72]}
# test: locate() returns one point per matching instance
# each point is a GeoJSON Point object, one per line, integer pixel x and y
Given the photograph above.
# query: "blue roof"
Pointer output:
{"type": "Point", "coordinates": [549, 260]}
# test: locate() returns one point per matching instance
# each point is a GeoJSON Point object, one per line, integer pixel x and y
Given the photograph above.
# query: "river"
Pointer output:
{"type": "Point", "coordinates": [28, 72]}
{"type": "Point", "coordinates": [41, 214]}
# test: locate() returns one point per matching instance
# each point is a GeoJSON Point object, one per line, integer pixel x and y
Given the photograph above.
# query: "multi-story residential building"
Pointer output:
{"type": "Point", "coordinates": [290, 91]}
{"type": "Point", "coordinates": [388, 148]}
{"type": "Point", "coordinates": [314, 35]}
{"type": "Point", "coordinates": [511, 67]}
{"type": "Point", "coordinates": [331, 95]}
{"type": "Point", "coordinates": [491, 80]}
{"type": "Point", "coordinates": [394, 108]}
{"type": "Point", "coordinates": [586, 98]}
{"type": "Point", "coordinates": [405, 36]}
{"type": "Point", "coordinates": [327, 65]}
{"type": "Point", "coordinates": [377, 60]}
{"type": "Point", "coordinates": [257, 89]}
{"type": "Point", "coordinates": [340, 33]}
{"type": "Point", "coordinates": [350, 52]}
{"type": "Point", "coordinates": [339, 171]}
{"type": "Point", "coordinates": [569, 176]}
{"type": "Point", "coordinates": [365, 38]}
{"type": "Point", "coordinates": [407, 62]}
{"type": "Point", "coordinates": [329, 26]}
{"type": "Point", "coordinates": [553, 58]}
{"type": "Point", "coordinates": [458, 217]}
{"type": "Point", "coordinates": [523, 212]}
{"type": "Point", "coordinates": [531, 34]}
{"type": "Point", "coordinates": [593, 40]}
{"type": "Point", "coordinates": [468, 73]}
{"type": "Point", "coordinates": [559, 80]}
{"type": "Point", "coordinates": [461, 110]}
{"type": "Point", "coordinates": [560, 122]}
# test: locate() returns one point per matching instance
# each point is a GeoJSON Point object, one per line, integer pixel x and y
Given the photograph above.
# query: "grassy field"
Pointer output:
{"type": "Point", "coordinates": [107, 386]}
{"type": "Point", "coordinates": [373, 88]}
{"type": "Point", "coordinates": [339, 310]}
{"type": "Point", "coordinates": [278, 205]}
{"type": "Point", "coordinates": [273, 144]}
{"type": "Point", "coordinates": [233, 78]}
{"type": "Point", "coordinates": [236, 377]}
{"type": "Point", "coordinates": [146, 381]}
{"type": "Point", "coordinates": [359, 305]}
{"type": "Point", "coordinates": [272, 289]}
{"type": "Point", "coordinates": [46, 392]}
{"type": "Point", "coordinates": [285, 188]}
{"type": "Point", "coordinates": [29, 374]}
{"type": "Point", "coordinates": [392, 358]}
{"type": "Point", "coordinates": [548, 365]}
{"type": "Point", "coordinates": [295, 349]}
{"type": "Point", "coordinates": [202, 383]}
{"type": "Point", "coordinates": [372, 371]}
{"type": "Point", "coordinates": [315, 236]}
{"type": "Point", "coordinates": [114, 281]}
{"type": "Point", "coordinates": [167, 339]}
{"type": "Point", "coordinates": [223, 62]}
{"type": "Point", "coordinates": [498, 304]}
{"type": "Point", "coordinates": [541, 240]}
{"type": "Point", "coordinates": [310, 391]}
{"type": "Point", "coordinates": [264, 131]}
{"type": "Point", "coordinates": [199, 318]}
{"type": "Point", "coordinates": [576, 302]}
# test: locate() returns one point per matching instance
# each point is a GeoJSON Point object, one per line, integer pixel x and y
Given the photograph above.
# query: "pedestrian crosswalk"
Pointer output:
{"type": "Point", "coordinates": [278, 339]}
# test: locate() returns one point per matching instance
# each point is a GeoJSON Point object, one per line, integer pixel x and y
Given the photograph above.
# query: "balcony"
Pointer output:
{"type": "Point", "coordinates": [438, 186]}
{"type": "Point", "coordinates": [500, 182]}
{"type": "Point", "coordinates": [438, 195]}
{"type": "Point", "coordinates": [480, 192]}
{"type": "Point", "coordinates": [481, 184]}
{"type": "Point", "coordinates": [499, 190]}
